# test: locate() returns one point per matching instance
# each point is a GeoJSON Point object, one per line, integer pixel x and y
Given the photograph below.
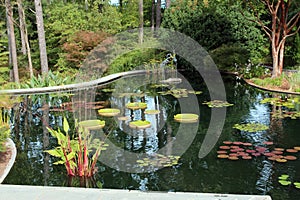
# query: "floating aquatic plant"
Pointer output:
{"type": "Point", "coordinates": [179, 92]}
{"type": "Point", "coordinates": [131, 94]}
{"type": "Point", "coordinates": [109, 112]}
{"type": "Point", "coordinates": [283, 180]}
{"type": "Point", "coordinates": [278, 114]}
{"type": "Point", "coordinates": [217, 104]}
{"type": "Point", "coordinates": [289, 102]}
{"type": "Point", "coordinates": [251, 127]}
{"type": "Point", "coordinates": [92, 124]}
{"type": "Point", "coordinates": [159, 160]}
{"type": "Point", "coordinates": [186, 118]}
{"type": "Point", "coordinates": [123, 118]}
{"type": "Point", "coordinates": [139, 124]}
{"type": "Point", "coordinates": [159, 85]}
{"type": "Point", "coordinates": [136, 105]}
{"type": "Point", "coordinates": [152, 112]}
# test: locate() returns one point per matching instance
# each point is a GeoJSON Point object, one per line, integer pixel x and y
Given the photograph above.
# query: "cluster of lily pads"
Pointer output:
{"type": "Point", "coordinates": [217, 104]}
{"type": "Point", "coordinates": [159, 160]}
{"type": "Point", "coordinates": [251, 127]}
{"type": "Point", "coordinates": [69, 106]}
{"type": "Point", "coordinates": [284, 180]}
{"type": "Point", "coordinates": [179, 92]}
{"type": "Point", "coordinates": [235, 150]}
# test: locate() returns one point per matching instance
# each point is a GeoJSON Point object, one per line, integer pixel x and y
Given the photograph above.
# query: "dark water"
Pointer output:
{"type": "Point", "coordinates": [192, 174]}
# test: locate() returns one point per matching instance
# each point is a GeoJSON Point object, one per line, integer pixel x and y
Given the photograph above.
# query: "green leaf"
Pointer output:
{"type": "Point", "coordinates": [284, 182]}
{"type": "Point", "coordinates": [55, 152]}
{"type": "Point", "coordinates": [283, 177]}
{"type": "Point", "coordinates": [60, 162]}
{"type": "Point", "coordinates": [297, 185]}
{"type": "Point", "coordinates": [66, 125]}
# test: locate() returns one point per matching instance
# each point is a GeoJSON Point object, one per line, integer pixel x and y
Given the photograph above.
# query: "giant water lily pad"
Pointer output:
{"type": "Point", "coordinates": [109, 112]}
{"type": "Point", "coordinates": [139, 124]}
{"type": "Point", "coordinates": [186, 118]}
{"type": "Point", "coordinates": [131, 94]}
{"type": "Point", "coordinates": [159, 160]}
{"type": "Point", "coordinates": [136, 105]}
{"type": "Point", "coordinates": [152, 112]}
{"type": "Point", "coordinates": [217, 104]}
{"type": "Point", "coordinates": [92, 124]}
{"type": "Point", "coordinates": [277, 101]}
{"type": "Point", "coordinates": [251, 127]}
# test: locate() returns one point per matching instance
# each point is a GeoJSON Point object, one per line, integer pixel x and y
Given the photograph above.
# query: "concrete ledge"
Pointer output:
{"type": "Point", "coordinates": [16, 192]}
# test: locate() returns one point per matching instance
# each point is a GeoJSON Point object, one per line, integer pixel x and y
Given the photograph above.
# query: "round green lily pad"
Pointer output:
{"type": "Point", "coordinates": [136, 105]}
{"type": "Point", "coordinates": [139, 124]}
{"type": "Point", "coordinates": [92, 124]}
{"type": "Point", "coordinates": [152, 112]}
{"type": "Point", "coordinates": [186, 118]}
{"type": "Point", "coordinates": [217, 104]}
{"type": "Point", "coordinates": [251, 127]}
{"type": "Point", "coordinates": [109, 112]}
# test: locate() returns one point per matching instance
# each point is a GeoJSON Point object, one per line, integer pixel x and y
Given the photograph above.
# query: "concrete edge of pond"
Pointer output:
{"type": "Point", "coordinates": [10, 144]}
{"type": "Point", "coordinates": [75, 86]}
{"type": "Point", "coordinates": [13, 192]}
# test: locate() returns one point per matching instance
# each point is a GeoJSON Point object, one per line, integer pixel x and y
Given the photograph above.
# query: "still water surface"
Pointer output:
{"type": "Point", "coordinates": [191, 174]}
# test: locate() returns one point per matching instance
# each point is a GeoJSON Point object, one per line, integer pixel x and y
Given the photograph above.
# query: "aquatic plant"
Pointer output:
{"type": "Point", "coordinates": [186, 118]}
{"type": "Point", "coordinates": [152, 112]}
{"type": "Point", "coordinates": [74, 153]}
{"type": "Point", "coordinates": [179, 92]}
{"type": "Point", "coordinates": [136, 105]}
{"type": "Point", "coordinates": [139, 124]}
{"type": "Point", "coordinates": [283, 179]}
{"type": "Point", "coordinates": [251, 127]}
{"type": "Point", "coordinates": [109, 112]}
{"type": "Point", "coordinates": [217, 104]}
{"type": "Point", "coordinates": [159, 160]}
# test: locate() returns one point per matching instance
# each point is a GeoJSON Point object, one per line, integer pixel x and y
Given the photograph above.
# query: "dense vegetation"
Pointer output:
{"type": "Point", "coordinates": [226, 29]}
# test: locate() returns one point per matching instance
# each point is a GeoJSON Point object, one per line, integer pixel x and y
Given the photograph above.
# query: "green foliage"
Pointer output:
{"type": "Point", "coordinates": [250, 70]}
{"type": "Point", "coordinates": [217, 104]}
{"type": "Point", "coordinates": [251, 127]}
{"type": "Point", "coordinates": [4, 68]}
{"type": "Point", "coordinates": [218, 24]}
{"type": "Point", "coordinates": [51, 79]}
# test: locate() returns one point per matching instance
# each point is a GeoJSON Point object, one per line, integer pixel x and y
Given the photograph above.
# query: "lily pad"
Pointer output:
{"type": "Point", "coordinates": [123, 118]}
{"type": "Point", "coordinates": [92, 124]}
{"type": "Point", "coordinates": [186, 118]}
{"type": "Point", "coordinates": [139, 124]}
{"type": "Point", "coordinates": [297, 185]}
{"type": "Point", "coordinates": [179, 92]}
{"type": "Point", "coordinates": [109, 112]}
{"type": "Point", "coordinates": [159, 160]}
{"type": "Point", "coordinates": [251, 127]}
{"type": "Point", "coordinates": [217, 104]}
{"type": "Point", "coordinates": [136, 105]}
{"type": "Point", "coordinates": [284, 182]}
{"type": "Point", "coordinates": [152, 112]}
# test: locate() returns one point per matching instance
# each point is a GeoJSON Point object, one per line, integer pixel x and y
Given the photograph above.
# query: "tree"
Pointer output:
{"type": "Point", "coordinates": [41, 36]}
{"type": "Point", "coordinates": [141, 21]}
{"type": "Point", "coordinates": [24, 36]}
{"type": "Point", "coordinates": [12, 40]}
{"type": "Point", "coordinates": [158, 14]}
{"type": "Point", "coordinates": [283, 25]}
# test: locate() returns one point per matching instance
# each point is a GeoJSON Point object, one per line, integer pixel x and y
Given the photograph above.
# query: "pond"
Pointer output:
{"type": "Point", "coordinates": [165, 156]}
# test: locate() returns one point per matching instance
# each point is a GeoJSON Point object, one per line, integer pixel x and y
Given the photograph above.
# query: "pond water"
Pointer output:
{"type": "Point", "coordinates": [191, 174]}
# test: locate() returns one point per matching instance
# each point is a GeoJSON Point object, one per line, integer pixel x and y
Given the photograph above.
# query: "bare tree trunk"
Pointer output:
{"type": "Point", "coordinates": [12, 40]}
{"type": "Point", "coordinates": [168, 3]}
{"type": "Point", "coordinates": [158, 14]}
{"type": "Point", "coordinates": [153, 16]}
{"type": "Point", "coordinates": [41, 36]}
{"type": "Point", "coordinates": [24, 36]}
{"type": "Point", "coordinates": [141, 23]}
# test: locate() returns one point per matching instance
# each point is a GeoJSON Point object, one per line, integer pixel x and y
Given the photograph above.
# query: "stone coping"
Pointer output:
{"type": "Point", "coordinates": [17, 192]}
{"type": "Point", "coordinates": [10, 144]}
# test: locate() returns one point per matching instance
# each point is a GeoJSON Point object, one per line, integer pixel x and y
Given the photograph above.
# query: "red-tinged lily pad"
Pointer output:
{"type": "Point", "coordinates": [234, 147]}
{"type": "Point", "coordinates": [247, 157]}
{"type": "Point", "coordinates": [290, 157]}
{"type": "Point", "coordinates": [272, 158]}
{"type": "Point", "coordinates": [227, 142]}
{"type": "Point", "coordinates": [268, 143]}
{"type": "Point", "coordinates": [261, 149]}
{"type": "Point", "coordinates": [281, 160]}
{"type": "Point", "coordinates": [221, 152]}
{"type": "Point", "coordinates": [247, 144]}
{"type": "Point", "coordinates": [297, 148]}
{"type": "Point", "coordinates": [279, 149]}
{"type": "Point", "coordinates": [256, 154]}
{"type": "Point", "coordinates": [291, 150]}
{"type": "Point", "coordinates": [233, 158]}
{"type": "Point", "coordinates": [250, 151]}
{"type": "Point", "coordinates": [223, 156]}
{"type": "Point", "coordinates": [237, 143]}
{"type": "Point", "coordinates": [233, 155]}
{"type": "Point", "coordinates": [224, 147]}
{"type": "Point", "coordinates": [277, 152]}
{"type": "Point", "coordinates": [269, 154]}
{"type": "Point", "coordinates": [241, 153]}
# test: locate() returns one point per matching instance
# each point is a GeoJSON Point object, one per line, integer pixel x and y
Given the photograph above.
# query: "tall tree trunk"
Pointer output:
{"type": "Point", "coordinates": [153, 16]}
{"type": "Point", "coordinates": [158, 14]}
{"type": "Point", "coordinates": [24, 36]}
{"type": "Point", "coordinates": [12, 40]}
{"type": "Point", "coordinates": [168, 3]}
{"type": "Point", "coordinates": [41, 36]}
{"type": "Point", "coordinates": [141, 21]}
